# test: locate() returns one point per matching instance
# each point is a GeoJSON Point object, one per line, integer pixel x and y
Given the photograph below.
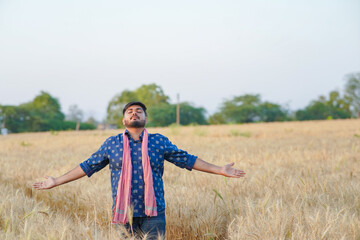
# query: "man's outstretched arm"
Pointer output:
{"type": "Point", "coordinates": [51, 182]}
{"type": "Point", "coordinates": [226, 170]}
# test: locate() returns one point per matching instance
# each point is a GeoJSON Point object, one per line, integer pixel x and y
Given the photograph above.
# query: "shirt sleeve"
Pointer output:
{"type": "Point", "coordinates": [177, 156]}
{"type": "Point", "coordinates": [96, 161]}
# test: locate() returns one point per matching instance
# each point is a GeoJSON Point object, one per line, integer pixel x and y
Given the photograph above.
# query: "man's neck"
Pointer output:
{"type": "Point", "coordinates": [135, 132]}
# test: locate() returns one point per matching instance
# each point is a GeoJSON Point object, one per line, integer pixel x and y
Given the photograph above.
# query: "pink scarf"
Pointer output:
{"type": "Point", "coordinates": [122, 202]}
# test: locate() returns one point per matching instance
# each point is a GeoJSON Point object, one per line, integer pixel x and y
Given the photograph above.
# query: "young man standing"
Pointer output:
{"type": "Point", "coordinates": [136, 162]}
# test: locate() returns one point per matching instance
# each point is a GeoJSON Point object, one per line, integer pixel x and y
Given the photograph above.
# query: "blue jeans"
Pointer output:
{"type": "Point", "coordinates": [152, 226]}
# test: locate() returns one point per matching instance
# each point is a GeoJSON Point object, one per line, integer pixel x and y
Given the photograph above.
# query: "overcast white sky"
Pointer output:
{"type": "Point", "coordinates": [85, 52]}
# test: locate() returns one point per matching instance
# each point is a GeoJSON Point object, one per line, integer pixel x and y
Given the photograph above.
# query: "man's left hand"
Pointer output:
{"type": "Point", "coordinates": [228, 171]}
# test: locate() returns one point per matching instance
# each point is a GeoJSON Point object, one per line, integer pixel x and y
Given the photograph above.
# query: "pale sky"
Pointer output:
{"type": "Point", "coordinates": [86, 52]}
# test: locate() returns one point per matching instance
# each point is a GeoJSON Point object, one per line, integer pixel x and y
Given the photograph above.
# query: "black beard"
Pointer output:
{"type": "Point", "coordinates": [135, 124]}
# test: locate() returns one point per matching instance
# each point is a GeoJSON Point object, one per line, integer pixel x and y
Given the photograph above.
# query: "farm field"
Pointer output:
{"type": "Point", "coordinates": [302, 182]}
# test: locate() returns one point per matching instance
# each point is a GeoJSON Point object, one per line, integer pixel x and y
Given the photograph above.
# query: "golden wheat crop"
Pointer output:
{"type": "Point", "coordinates": [302, 182]}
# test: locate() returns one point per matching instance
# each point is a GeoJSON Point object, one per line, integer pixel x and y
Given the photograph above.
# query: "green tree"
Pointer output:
{"type": "Point", "coordinates": [161, 115]}
{"type": "Point", "coordinates": [248, 108]}
{"type": "Point", "coordinates": [338, 107]}
{"type": "Point", "coordinates": [165, 114]}
{"type": "Point", "coordinates": [116, 105]}
{"type": "Point", "coordinates": [151, 95]}
{"type": "Point", "coordinates": [217, 118]}
{"type": "Point", "coordinates": [190, 114]}
{"type": "Point", "coordinates": [316, 110]}
{"type": "Point", "coordinates": [334, 107]}
{"type": "Point", "coordinates": [16, 119]}
{"type": "Point", "coordinates": [241, 109]}
{"type": "Point", "coordinates": [45, 113]}
{"type": "Point", "coordinates": [271, 112]}
{"type": "Point", "coordinates": [41, 114]}
{"type": "Point", "coordinates": [352, 93]}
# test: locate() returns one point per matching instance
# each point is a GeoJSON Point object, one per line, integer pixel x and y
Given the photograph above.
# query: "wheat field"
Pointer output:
{"type": "Point", "coordinates": [302, 182]}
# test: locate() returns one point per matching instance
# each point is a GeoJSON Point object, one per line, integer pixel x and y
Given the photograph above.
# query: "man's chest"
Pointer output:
{"type": "Point", "coordinates": [155, 153]}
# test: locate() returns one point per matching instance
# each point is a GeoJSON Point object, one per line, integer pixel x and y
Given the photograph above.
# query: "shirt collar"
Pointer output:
{"type": "Point", "coordinates": [140, 137]}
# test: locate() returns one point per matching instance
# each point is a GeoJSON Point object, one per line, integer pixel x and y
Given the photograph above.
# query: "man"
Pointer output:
{"type": "Point", "coordinates": [136, 162]}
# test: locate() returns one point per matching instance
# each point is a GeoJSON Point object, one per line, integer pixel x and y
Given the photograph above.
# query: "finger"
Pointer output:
{"type": "Point", "coordinates": [38, 185]}
{"type": "Point", "coordinates": [240, 173]}
{"type": "Point", "coordinates": [46, 176]}
{"type": "Point", "coordinates": [41, 186]}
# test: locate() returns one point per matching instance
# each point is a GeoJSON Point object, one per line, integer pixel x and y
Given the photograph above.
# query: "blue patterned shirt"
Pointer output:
{"type": "Point", "coordinates": [159, 147]}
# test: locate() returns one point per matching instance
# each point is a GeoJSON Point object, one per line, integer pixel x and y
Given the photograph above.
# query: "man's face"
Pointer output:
{"type": "Point", "coordinates": [134, 117]}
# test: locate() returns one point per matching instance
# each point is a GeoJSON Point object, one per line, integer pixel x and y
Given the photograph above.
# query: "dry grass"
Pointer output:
{"type": "Point", "coordinates": [302, 182]}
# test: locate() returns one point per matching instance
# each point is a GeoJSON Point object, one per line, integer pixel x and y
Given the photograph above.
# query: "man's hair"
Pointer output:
{"type": "Point", "coordinates": [135, 103]}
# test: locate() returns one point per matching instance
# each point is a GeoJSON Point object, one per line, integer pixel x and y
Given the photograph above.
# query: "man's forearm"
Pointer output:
{"type": "Point", "coordinates": [72, 175]}
{"type": "Point", "coordinates": [203, 166]}
{"type": "Point", "coordinates": [226, 170]}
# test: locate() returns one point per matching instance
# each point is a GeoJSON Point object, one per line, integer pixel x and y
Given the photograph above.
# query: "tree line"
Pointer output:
{"type": "Point", "coordinates": [44, 112]}
{"type": "Point", "coordinates": [239, 109]}
{"type": "Point", "coordinates": [41, 114]}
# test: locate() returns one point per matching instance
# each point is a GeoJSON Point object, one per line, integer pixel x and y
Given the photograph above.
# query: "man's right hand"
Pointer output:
{"type": "Point", "coordinates": [47, 184]}
{"type": "Point", "coordinates": [51, 182]}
